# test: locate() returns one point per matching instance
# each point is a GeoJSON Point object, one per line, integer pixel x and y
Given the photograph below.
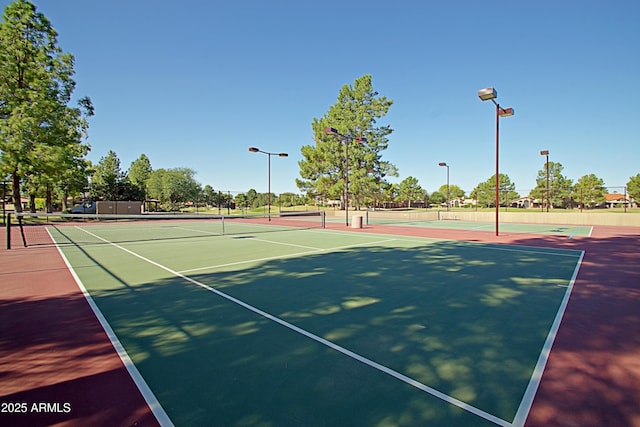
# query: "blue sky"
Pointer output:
{"type": "Point", "coordinates": [195, 83]}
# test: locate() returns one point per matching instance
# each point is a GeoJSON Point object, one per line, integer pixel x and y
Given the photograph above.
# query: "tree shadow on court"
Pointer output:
{"type": "Point", "coordinates": [593, 365]}
{"type": "Point", "coordinates": [466, 320]}
{"type": "Point", "coordinates": [212, 362]}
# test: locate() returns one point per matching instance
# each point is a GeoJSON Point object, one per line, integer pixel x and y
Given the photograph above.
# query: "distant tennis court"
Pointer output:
{"type": "Point", "coordinates": [450, 221]}
{"type": "Point", "coordinates": [265, 323]}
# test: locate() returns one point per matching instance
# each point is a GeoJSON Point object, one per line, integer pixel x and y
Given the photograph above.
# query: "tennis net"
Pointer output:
{"type": "Point", "coordinates": [28, 229]}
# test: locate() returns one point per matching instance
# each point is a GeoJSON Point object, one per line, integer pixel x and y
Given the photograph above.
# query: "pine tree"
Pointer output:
{"type": "Point", "coordinates": [35, 91]}
{"type": "Point", "coordinates": [324, 167]}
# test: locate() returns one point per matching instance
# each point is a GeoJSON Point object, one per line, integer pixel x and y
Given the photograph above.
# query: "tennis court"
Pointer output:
{"type": "Point", "coordinates": [450, 221]}
{"type": "Point", "coordinates": [268, 324]}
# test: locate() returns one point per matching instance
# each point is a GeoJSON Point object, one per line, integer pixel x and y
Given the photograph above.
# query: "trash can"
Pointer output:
{"type": "Point", "coordinates": [356, 221]}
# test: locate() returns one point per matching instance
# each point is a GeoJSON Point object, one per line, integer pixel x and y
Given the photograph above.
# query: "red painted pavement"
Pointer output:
{"type": "Point", "coordinates": [57, 366]}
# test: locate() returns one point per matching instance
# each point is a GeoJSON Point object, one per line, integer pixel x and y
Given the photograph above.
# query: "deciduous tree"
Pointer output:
{"type": "Point", "coordinates": [455, 192]}
{"type": "Point", "coordinates": [209, 195]}
{"type": "Point", "coordinates": [139, 173]}
{"type": "Point", "coordinates": [485, 192]}
{"type": "Point", "coordinates": [173, 187]}
{"type": "Point", "coordinates": [633, 187]}
{"type": "Point", "coordinates": [590, 191]}
{"type": "Point", "coordinates": [409, 190]}
{"type": "Point", "coordinates": [560, 187]}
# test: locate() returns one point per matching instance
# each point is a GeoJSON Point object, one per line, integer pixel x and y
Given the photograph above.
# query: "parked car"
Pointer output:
{"type": "Point", "coordinates": [88, 207]}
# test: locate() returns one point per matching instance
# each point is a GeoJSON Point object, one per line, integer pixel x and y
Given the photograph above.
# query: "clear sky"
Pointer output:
{"type": "Point", "coordinates": [194, 83]}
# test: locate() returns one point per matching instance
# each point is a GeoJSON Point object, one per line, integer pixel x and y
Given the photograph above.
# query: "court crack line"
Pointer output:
{"type": "Point", "coordinates": [384, 369]}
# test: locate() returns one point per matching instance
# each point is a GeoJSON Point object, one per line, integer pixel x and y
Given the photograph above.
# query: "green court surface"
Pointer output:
{"type": "Point", "coordinates": [316, 327]}
{"type": "Point", "coordinates": [504, 227]}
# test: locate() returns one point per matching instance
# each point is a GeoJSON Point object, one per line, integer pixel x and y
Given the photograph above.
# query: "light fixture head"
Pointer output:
{"type": "Point", "coordinates": [544, 153]}
{"type": "Point", "coordinates": [332, 131]}
{"type": "Point", "coordinates": [487, 94]}
{"type": "Point", "coordinates": [442, 164]}
{"type": "Point", "coordinates": [506, 112]}
{"type": "Point", "coordinates": [254, 149]}
{"type": "Point", "coordinates": [283, 155]}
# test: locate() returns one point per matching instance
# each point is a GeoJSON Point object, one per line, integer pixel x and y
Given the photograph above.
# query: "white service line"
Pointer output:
{"type": "Point", "coordinates": [336, 347]}
{"type": "Point", "coordinates": [314, 251]}
{"type": "Point", "coordinates": [475, 245]}
{"type": "Point", "coordinates": [273, 242]}
{"type": "Point", "coordinates": [248, 237]}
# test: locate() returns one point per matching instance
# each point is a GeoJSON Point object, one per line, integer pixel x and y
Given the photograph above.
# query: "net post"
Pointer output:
{"type": "Point", "coordinates": [24, 240]}
{"type": "Point", "coordinates": [323, 219]}
{"type": "Point", "coordinates": [8, 226]}
{"type": "Point", "coordinates": [222, 220]}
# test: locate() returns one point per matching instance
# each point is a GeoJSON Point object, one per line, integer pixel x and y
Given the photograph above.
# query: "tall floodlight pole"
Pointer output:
{"type": "Point", "coordinates": [490, 94]}
{"type": "Point", "coordinates": [546, 153]}
{"type": "Point", "coordinates": [447, 166]}
{"type": "Point", "coordinates": [257, 150]}
{"type": "Point", "coordinates": [346, 139]}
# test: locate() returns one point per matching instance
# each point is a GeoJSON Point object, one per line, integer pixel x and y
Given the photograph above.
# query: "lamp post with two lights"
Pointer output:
{"type": "Point", "coordinates": [546, 153]}
{"type": "Point", "coordinates": [447, 166]}
{"type": "Point", "coordinates": [346, 139]}
{"type": "Point", "coordinates": [490, 94]}
{"type": "Point", "coordinates": [257, 150]}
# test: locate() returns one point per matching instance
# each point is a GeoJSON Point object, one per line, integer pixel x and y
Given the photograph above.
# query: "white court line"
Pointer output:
{"type": "Point", "coordinates": [145, 390]}
{"type": "Point", "coordinates": [536, 377]}
{"type": "Point", "coordinates": [273, 242]}
{"type": "Point", "coordinates": [314, 251]}
{"type": "Point", "coordinates": [210, 233]}
{"type": "Point", "coordinates": [248, 237]}
{"type": "Point", "coordinates": [527, 249]}
{"type": "Point", "coordinates": [474, 245]}
{"type": "Point", "coordinates": [336, 347]}
{"type": "Point", "coordinates": [481, 227]}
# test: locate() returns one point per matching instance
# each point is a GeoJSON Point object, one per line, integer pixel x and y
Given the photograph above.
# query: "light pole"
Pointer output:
{"type": "Point", "coordinates": [257, 150]}
{"type": "Point", "coordinates": [490, 94]}
{"type": "Point", "coordinates": [346, 138]}
{"type": "Point", "coordinates": [447, 166]}
{"type": "Point", "coordinates": [546, 153]}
